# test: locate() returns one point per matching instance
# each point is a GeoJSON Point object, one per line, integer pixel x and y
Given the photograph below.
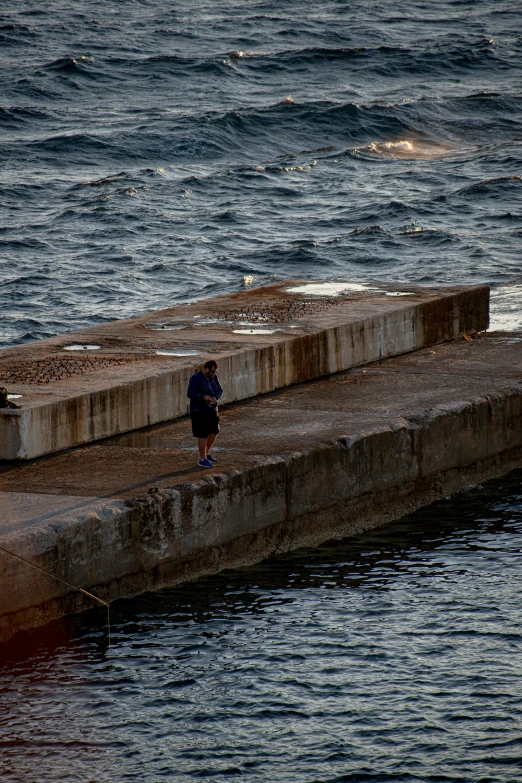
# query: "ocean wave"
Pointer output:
{"type": "Point", "coordinates": [431, 236]}
{"type": "Point", "coordinates": [386, 130]}
{"type": "Point", "coordinates": [375, 230]}
{"type": "Point", "coordinates": [11, 116]}
{"type": "Point", "coordinates": [24, 191]}
{"type": "Point", "coordinates": [26, 282]}
{"type": "Point", "coordinates": [109, 180]}
{"type": "Point", "coordinates": [492, 187]}
{"type": "Point", "coordinates": [407, 149]}
{"type": "Point", "coordinates": [313, 121]}
{"type": "Point", "coordinates": [274, 129]}
{"type": "Point", "coordinates": [73, 142]}
{"type": "Point", "coordinates": [441, 57]}
{"type": "Point", "coordinates": [490, 102]}
{"type": "Point", "coordinates": [308, 54]}
{"type": "Point", "coordinates": [21, 245]}
{"type": "Point", "coordinates": [76, 65]}
{"type": "Point", "coordinates": [170, 65]}
{"type": "Point", "coordinates": [12, 34]}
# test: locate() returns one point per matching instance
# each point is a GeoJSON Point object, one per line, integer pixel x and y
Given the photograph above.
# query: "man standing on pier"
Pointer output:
{"type": "Point", "coordinates": [204, 391]}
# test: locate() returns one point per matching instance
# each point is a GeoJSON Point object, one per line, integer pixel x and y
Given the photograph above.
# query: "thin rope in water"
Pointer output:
{"type": "Point", "coordinates": [74, 587]}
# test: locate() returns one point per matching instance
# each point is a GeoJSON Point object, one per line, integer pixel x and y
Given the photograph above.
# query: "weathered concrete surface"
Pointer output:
{"type": "Point", "coordinates": [311, 462]}
{"type": "Point", "coordinates": [74, 397]}
{"type": "Point", "coordinates": [50, 529]}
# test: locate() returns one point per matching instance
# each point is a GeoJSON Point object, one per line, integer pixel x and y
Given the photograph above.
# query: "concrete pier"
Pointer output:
{"type": "Point", "coordinates": [311, 461]}
{"type": "Point", "coordinates": [124, 375]}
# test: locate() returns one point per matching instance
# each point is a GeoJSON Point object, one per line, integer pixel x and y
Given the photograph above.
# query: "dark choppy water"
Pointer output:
{"type": "Point", "coordinates": [157, 152]}
{"type": "Point", "coordinates": [393, 656]}
{"type": "Point", "coordinates": [154, 152]}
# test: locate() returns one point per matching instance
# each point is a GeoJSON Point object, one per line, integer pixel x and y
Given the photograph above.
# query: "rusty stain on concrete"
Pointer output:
{"type": "Point", "coordinates": [54, 368]}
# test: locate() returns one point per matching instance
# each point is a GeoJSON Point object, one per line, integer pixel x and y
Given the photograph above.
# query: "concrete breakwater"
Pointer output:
{"type": "Point", "coordinates": [120, 376]}
{"type": "Point", "coordinates": [316, 460]}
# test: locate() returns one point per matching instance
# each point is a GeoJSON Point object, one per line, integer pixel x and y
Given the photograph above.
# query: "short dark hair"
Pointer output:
{"type": "Point", "coordinates": [210, 365]}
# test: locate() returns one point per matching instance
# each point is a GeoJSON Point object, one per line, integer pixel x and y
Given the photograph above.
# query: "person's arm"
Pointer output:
{"type": "Point", "coordinates": [193, 389]}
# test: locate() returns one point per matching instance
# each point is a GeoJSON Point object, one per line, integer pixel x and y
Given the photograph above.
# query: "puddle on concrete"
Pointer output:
{"type": "Point", "coordinates": [177, 352]}
{"type": "Point", "coordinates": [334, 289]}
{"type": "Point", "coordinates": [328, 289]}
{"type": "Point", "coordinates": [166, 327]}
{"type": "Point", "coordinates": [204, 320]}
{"type": "Point", "coordinates": [217, 321]}
{"type": "Point", "coordinates": [400, 293]}
{"type": "Point", "coordinates": [156, 437]}
{"type": "Point", "coordinates": [255, 331]}
{"type": "Point", "coordinates": [81, 347]}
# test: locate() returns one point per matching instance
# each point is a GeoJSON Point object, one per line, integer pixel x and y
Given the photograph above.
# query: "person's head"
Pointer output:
{"type": "Point", "coordinates": [210, 368]}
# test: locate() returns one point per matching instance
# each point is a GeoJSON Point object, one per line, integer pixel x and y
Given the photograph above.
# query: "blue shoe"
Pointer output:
{"type": "Point", "coordinates": [204, 463]}
{"type": "Point", "coordinates": [211, 459]}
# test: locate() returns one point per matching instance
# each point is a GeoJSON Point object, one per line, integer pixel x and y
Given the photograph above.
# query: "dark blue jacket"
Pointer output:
{"type": "Point", "coordinates": [199, 387]}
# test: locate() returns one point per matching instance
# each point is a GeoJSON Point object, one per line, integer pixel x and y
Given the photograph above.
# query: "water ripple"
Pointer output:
{"type": "Point", "coordinates": [380, 657]}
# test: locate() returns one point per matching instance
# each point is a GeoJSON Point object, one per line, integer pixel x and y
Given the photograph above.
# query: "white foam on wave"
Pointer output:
{"type": "Point", "coordinates": [506, 308]}
{"type": "Point", "coordinates": [408, 149]}
{"type": "Point", "coordinates": [397, 146]}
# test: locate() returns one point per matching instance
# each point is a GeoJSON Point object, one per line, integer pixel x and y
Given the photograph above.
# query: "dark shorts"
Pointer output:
{"type": "Point", "coordinates": [204, 423]}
